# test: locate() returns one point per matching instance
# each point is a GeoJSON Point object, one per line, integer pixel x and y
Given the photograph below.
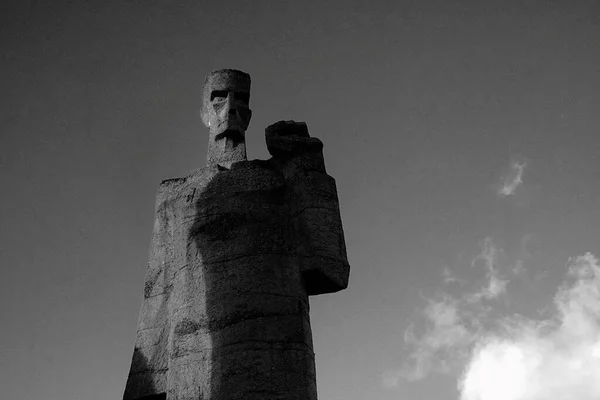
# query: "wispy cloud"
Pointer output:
{"type": "Point", "coordinates": [449, 276]}
{"type": "Point", "coordinates": [524, 255]}
{"type": "Point", "coordinates": [453, 324]}
{"type": "Point", "coordinates": [557, 359]}
{"type": "Point", "coordinates": [450, 331]}
{"type": "Point", "coordinates": [519, 267]}
{"type": "Point", "coordinates": [495, 284]}
{"type": "Point", "coordinates": [514, 357]}
{"type": "Point", "coordinates": [513, 178]}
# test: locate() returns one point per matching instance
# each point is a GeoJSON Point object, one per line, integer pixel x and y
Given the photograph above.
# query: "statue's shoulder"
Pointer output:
{"type": "Point", "coordinates": [173, 188]}
{"type": "Point", "coordinates": [242, 176]}
{"type": "Point", "coordinates": [168, 188]}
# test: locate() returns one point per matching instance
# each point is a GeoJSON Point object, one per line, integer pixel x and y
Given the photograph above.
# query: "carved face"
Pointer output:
{"type": "Point", "coordinates": [225, 102]}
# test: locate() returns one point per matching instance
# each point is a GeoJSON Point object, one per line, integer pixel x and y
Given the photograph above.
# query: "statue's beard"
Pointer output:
{"type": "Point", "coordinates": [227, 144]}
{"type": "Point", "coordinates": [234, 135]}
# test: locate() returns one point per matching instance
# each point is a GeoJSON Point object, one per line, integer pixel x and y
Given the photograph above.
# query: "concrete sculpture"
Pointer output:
{"type": "Point", "coordinates": [237, 248]}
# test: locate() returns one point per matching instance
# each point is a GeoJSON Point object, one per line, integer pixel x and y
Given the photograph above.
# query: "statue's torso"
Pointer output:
{"type": "Point", "coordinates": [224, 292]}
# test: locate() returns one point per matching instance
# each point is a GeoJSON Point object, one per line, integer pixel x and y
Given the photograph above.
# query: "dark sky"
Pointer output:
{"type": "Point", "coordinates": [424, 108]}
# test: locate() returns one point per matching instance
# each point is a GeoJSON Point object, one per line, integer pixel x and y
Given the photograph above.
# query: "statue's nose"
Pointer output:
{"type": "Point", "coordinates": [229, 109]}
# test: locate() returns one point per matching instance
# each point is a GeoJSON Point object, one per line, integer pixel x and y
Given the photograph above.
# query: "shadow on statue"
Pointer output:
{"type": "Point", "coordinates": [140, 364]}
{"type": "Point", "coordinates": [256, 305]}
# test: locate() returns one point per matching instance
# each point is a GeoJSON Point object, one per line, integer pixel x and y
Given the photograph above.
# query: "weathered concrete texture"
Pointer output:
{"type": "Point", "coordinates": [234, 256]}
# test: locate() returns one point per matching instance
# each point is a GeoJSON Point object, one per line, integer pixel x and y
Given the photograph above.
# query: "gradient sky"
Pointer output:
{"type": "Point", "coordinates": [452, 128]}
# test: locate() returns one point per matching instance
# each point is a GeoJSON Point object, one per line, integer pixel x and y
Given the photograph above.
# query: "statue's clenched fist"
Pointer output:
{"type": "Point", "coordinates": [287, 139]}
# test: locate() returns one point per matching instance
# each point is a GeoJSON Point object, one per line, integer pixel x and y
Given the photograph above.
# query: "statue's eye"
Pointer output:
{"type": "Point", "coordinates": [243, 97]}
{"type": "Point", "coordinates": [218, 95]}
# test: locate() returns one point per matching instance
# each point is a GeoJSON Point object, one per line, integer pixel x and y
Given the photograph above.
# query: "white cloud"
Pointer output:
{"type": "Point", "coordinates": [513, 179]}
{"type": "Point", "coordinates": [514, 357]}
{"type": "Point", "coordinates": [557, 359]}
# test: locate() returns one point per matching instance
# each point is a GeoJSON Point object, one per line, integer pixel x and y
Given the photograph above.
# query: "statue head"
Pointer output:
{"type": "Point", "coordinates": [225, 102]}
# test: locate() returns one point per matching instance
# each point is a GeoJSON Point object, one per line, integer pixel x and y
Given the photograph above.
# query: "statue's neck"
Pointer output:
{"type": "Point", "coordinates": [224, 150]}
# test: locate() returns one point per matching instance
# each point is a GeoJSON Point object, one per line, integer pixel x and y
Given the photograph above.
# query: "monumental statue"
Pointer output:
{"type": "Point", "coordinates": [237, 248]}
